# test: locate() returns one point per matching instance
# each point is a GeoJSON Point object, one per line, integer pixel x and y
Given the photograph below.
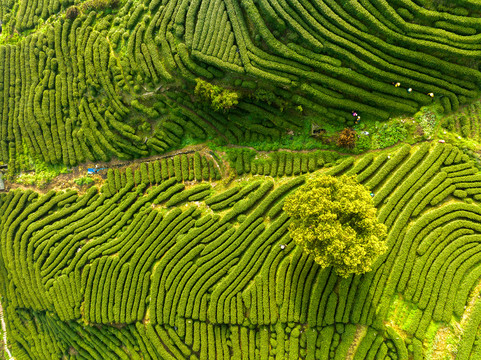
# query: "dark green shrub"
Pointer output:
{"type": "Point", "coordinates": [72, 13]}
{"type": "Point", "coordinates": [99, 5]}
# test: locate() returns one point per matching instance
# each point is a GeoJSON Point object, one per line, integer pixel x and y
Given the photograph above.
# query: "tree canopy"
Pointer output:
{"type": "Point", "coordinates": [334, 220]}
{"type": "Point", "coordinates": [219, 98]}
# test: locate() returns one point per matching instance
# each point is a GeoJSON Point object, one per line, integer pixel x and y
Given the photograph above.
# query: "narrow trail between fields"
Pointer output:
{"type": "Point", "coordinates": [4, 331]}
{"type": "Point", "coordinates": [64, 181]}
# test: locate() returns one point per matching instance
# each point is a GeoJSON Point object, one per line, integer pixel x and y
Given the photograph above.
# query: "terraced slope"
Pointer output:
{"type": "Point", "coordinates": [466, 122]}
{"type": "Point", "coordinates": [120, 84]}
{"type": "Point", "coordinates": [189, 257]}
{"type": "Point", "coordinates": [156, 266]}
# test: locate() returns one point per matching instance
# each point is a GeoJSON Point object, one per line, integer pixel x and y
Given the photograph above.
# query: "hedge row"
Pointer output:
{"type": "Point", "coordinates": [281, 163]}
{"type": "Point", "coordinates": [180, 168]}
{"type": "Point", "coordinates": [333, 26]}
{"type": "Point", "coordinates": [221, 277]}
{"type": "Point", "coordinates": [466, 122]}
{"type": "Point", "coordinates": [385, 277]}
{"type": "Point", "coordinates": [63, 88]}
{"type": "Point", "coordinates": [64, 121]}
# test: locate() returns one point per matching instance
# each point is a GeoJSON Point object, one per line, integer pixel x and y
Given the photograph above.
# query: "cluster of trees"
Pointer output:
{"type": "Point", "coordinates": [218, 97]}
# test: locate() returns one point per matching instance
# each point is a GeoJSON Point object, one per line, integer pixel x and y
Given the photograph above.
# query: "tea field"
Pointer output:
{"type": "Point", "coordinates": [154, 265]}
{"type": "Point", "coordinates": [162, 138]}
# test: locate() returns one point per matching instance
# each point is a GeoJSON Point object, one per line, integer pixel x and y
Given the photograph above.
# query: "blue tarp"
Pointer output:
{"type": "Point", "coordinates": [93, 170]}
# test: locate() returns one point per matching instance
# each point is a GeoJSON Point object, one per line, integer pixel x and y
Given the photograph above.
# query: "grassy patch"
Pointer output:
{"type": "Point", "coordinates": [42, 174]}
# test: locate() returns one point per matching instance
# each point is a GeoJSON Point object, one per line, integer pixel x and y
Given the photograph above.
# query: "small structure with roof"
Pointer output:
{"type": "Point", "coordinates": [316, 130]}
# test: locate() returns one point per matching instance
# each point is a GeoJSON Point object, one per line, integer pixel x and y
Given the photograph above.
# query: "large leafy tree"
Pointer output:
{"type": "Point", "coordinates": [334, 220]}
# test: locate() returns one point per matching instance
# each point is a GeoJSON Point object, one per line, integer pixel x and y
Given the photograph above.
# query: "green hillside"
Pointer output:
{"type": "Point", "coordinates": [156, 266]}
{"type": "Point", "coordinates": [148, 147]}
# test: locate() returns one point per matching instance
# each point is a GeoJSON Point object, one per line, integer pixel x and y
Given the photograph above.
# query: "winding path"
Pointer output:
{"type": "Point", "coordinates": [4, 331]}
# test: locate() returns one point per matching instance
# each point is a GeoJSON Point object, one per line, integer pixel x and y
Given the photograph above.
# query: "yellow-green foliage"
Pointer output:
{"type": "Point", "coordinates": [334, 220]}
{"type": "Point", "coordinates": [83, 181]}
{"type": "Point", "coordinates": [214, 271]}
{"type": "Point", "coordinates": [219, 98]}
